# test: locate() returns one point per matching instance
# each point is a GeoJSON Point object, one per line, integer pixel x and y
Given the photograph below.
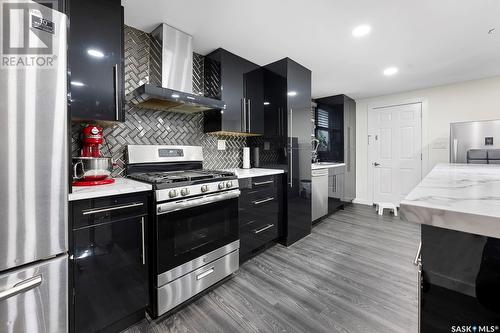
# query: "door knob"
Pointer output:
{"type": "Point", "coordinates": [376, 164]}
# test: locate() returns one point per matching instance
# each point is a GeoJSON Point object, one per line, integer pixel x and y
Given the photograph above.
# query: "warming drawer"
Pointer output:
{"type": "Point", "coordinates": [178, 291]}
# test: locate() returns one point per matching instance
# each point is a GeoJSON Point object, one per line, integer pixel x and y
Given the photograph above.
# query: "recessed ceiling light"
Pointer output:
{"type": "Point", "coordinates": [266, 103]}
{"type": "Point", "coordinates": [175, 96]}
{"type": "Point", "coordinates": [361, 30]}
{"type": "Point", "coordinates": [77, 83]}
{"type": "Point", "coordinates": [390, 71]}
{"type": "Point", "coordinates": [95, 53]}
{"type": "Point", "coordinates": [292, 93]}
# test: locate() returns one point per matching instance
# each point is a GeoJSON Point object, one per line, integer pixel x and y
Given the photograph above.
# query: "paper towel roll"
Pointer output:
{"type": "Point", "coordinates": [246, 157]}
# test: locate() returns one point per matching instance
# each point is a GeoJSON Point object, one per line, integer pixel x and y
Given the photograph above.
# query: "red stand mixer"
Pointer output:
{"type": "Point", "coordinates": [91, 168]}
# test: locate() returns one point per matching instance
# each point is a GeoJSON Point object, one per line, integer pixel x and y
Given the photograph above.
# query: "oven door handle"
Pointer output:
{"type": "Point", "coordinates": [173, 206]}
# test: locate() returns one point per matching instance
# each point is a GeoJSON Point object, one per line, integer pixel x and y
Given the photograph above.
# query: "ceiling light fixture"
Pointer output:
{"type": "Point", "coordinates": [175, 96]}
{"type": "Point", "coordinates": [292, 93]}
{"type": "Point", "coordinates": [361, 30]}
{"type": "Point", "coordinates": [95, 53]}
{"type": "Point", "coordinates": [266, 103]}
{"type": "Point", "coordinates": [390, 71]}
{"type": "Point", "coordinates": [77, 83]}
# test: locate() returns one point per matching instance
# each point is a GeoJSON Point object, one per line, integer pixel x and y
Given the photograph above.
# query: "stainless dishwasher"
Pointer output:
{"type": "Point", "coordinates": [319, 193]}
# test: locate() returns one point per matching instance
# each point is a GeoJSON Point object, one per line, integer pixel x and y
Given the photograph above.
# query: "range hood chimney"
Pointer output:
{"type": "Point", "coordinates": [171, 76]}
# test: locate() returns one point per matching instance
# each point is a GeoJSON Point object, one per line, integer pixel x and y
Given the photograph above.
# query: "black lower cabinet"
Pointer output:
{"type": "Point", "coordinates": [460, 282]}
{"type": "Point", "coordinates": [260, 213]}
{"type": "Point", "coordinates": [108, 264]}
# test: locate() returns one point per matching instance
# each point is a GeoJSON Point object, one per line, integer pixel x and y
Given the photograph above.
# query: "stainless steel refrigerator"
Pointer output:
{"type": "Point", "coordinates": [33, 169]}
{"type": "Point", "coordinates": [475, 142]}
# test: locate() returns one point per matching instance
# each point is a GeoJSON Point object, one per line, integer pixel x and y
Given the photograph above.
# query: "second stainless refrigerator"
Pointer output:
{"type": "Point", "coordinates": [475, 142]}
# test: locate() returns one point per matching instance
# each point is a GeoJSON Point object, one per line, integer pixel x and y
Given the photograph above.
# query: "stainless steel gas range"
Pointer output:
{"type": "Point", "coordinates": [193, 238]}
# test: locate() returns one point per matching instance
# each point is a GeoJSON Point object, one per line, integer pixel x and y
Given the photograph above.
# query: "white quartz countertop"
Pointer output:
{"type": "Point", "coordinates": [120, 186]}
{"type": "Point", "coordinates": [326, 165]}
{"type": "Point", "coordinates": [255, 172]}
{"type": "Point", "coordinates": [463, 197]}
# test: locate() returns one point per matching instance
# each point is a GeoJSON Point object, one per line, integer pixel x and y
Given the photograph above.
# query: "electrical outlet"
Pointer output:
{"type": "Point", "coordinates": [221, 144]}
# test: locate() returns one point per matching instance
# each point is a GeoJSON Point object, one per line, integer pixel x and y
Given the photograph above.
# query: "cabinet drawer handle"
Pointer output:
{"type": "Point", "coordinates": [258, 231]}
{"type": "Point", "coordinates": [103, 210]}
{"type": "Point", "coordinates": [21, 287]}
{"type": "Point", "coordinates": [205, 274]}
{"type": "Point", "coordinates": [263, 183]}
{"type": "Point", "coordinates": [263, 201]}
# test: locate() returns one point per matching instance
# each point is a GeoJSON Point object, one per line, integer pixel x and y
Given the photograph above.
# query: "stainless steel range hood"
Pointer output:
{"type": "Point", "coordinates": [171, 76]}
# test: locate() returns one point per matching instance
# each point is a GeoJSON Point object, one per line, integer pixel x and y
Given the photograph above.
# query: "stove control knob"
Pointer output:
{"type": "Point", "coordinates": [184, 191]}
{"type": "Point", "coordinates": [229, 184]}
{"type": "Point", "coordinates": [204, 188]}
{"type": "Point", "coordinates": [172, 193]}
{"type": "Point", "coordinates": [221, 186]}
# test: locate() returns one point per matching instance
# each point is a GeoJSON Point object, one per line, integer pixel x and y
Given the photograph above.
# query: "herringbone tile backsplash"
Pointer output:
{"type": "Point", "coordinates": [160, 127]}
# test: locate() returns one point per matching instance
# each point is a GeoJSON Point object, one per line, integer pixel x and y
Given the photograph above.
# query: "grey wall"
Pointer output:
{"type": "Point", "coordinates": [160, 127]}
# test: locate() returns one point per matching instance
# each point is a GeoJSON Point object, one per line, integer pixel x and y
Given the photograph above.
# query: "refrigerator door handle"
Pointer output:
{"type": "Point", "coordinates": [455, 150]}
{"type": "Point", "coordinates": [21, 287]}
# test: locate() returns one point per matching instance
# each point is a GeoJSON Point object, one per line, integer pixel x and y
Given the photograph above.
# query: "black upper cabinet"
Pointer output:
{"type": "Point", "coordinates": [96, 59]}
{"type": "Point", "coordinates": [254, 95]}
{"type": "Point", "coordinates": [237, 82]}
{"type": "Point", "coordinates": [274, 104]}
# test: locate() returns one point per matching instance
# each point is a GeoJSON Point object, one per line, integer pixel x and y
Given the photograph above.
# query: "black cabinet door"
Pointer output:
{"type": "Point", "coordinates": [254, 97]}
{"type": "Point", "coordinates": [274, 104]}
{"type": "Point", "coordinates": [299, 114]}
{"type": "Point", "coordinates": [108, 273]}
{"type": "Point", "coordinates": [96, 59]}
{"type": "Point", "coordinates": [232, 91]}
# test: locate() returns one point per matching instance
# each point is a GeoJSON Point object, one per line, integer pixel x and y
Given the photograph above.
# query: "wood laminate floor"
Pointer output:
{"type": "Point", "coordinates": [354, 273]}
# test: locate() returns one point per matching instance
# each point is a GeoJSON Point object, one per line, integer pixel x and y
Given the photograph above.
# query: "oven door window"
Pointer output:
{"type": "Point", "coordinates": [186, 234]}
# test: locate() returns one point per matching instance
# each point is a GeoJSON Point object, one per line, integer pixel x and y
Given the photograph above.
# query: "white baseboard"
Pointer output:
{"type": "Point", "coordinates": [363, 202]}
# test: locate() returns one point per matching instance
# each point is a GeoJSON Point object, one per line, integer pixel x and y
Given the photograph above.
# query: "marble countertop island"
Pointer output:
{"type": "Point", "coordinates": [463, 197]}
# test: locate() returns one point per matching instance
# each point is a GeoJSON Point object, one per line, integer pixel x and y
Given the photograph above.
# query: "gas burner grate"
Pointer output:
{"type": "Point", "coordinates": [180, 176]}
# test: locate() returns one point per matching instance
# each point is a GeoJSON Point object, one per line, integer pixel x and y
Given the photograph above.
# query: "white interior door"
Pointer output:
{"type": "Point", "coordinates": [395, 150]}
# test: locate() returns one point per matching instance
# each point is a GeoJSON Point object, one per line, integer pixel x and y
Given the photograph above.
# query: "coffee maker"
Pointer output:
{"type": "Point", "coordinates": [92, 168]}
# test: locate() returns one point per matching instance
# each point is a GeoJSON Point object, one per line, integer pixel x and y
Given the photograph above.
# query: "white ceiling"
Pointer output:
{"type": "Point", "coordinates": [433, 42]}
